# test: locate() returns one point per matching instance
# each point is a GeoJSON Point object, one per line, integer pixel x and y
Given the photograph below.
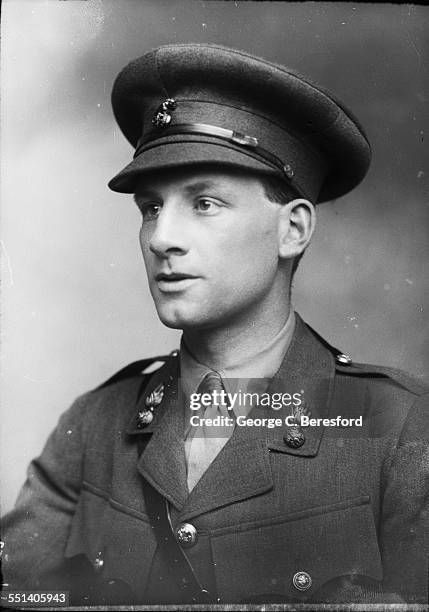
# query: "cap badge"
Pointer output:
{"type": "Point", "coordinates": [145, 416]}
{"type": "Point", "coordinates": [162, 116]}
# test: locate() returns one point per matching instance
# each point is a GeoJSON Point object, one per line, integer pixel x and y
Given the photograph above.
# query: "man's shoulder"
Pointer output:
{"type": "Point", "coordinates": [136, 372]}
{"type": "Point", "coordinates": [378, 376]}
{"type": "Point", "coordinates": [118, 395]}
{"type": "Point", "coordinates": [387, 397]}
{"type": "Point", "coordinates": [369, 378]}
{"type": "Point", "coordinates": [353, 373]}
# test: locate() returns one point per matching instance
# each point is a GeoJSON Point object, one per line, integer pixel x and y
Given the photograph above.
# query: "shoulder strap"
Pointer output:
{"type": "Point", "coordinates": [353, 368]}
{"type": "Point", "coordinates": [404, 379]}
{"type": "Point", "coordinates": [131, 370]}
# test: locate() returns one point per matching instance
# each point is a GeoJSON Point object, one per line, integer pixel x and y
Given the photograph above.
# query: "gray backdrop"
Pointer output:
{"type": "Point", "coordinates": [75, 305]}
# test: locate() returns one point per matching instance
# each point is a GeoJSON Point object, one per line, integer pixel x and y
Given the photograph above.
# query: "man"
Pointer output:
{"type": "Point", "coordinates": [258, 463]}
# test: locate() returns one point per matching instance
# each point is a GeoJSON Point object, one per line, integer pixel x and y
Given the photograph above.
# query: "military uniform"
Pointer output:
{"type": "Point", "coordinates": [288, 514]}
{"type": "Point", "coordinates": [341, 517]}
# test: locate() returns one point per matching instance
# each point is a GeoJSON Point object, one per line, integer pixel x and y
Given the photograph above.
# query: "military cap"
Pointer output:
{"type": "Point", "coordinates": [185, 104]}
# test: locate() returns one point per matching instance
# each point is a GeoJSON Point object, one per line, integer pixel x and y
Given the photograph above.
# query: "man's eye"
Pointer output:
{"type": "Point", "coordinates": [205, 205]}
{"type": "Point", "coordinates": [150, 211]}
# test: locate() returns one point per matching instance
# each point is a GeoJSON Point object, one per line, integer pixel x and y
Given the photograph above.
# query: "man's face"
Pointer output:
{"type": "Point", "coordinates": [209, 240]}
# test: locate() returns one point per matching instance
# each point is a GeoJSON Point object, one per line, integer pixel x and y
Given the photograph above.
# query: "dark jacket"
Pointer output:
{"type": "Point", "coordinates": [349, 507]}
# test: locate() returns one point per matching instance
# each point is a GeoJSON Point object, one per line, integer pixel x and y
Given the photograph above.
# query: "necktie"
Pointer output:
{"type": "Point", "coordinates": [206, 441]}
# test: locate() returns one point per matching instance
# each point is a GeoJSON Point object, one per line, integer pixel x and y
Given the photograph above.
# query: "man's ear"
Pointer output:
{"type": "Point", "coordinates": [297, 220]}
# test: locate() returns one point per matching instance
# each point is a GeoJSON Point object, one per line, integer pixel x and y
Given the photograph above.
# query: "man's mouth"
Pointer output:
{"type": "Point", "coordinates": [172, 276]}
{"type": "Point", "coordinates": [174, 281]}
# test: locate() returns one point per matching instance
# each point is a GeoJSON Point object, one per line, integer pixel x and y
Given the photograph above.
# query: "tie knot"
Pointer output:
{"type": "Point", "coordinates": [211, 382]}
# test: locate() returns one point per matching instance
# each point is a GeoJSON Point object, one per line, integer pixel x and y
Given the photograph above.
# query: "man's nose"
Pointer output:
{"type": "Point", "coordinates": [169, 236]}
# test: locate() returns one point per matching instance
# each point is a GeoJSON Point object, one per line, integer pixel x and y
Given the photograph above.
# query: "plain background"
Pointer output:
{"type": "Point", "coordinates": [75, 305]}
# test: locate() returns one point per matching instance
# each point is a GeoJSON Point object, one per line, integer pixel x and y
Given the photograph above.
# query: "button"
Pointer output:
{"type": "Point", "coordinates": [174, 353]}
{"type": "Point", "coordinates": [302, 581]}
{"type": "Point", "coordinates": [98, 563]}
{"type": "Point", "coordinates": [288, 170]}
{"type": "Point", "coordinates": [294, 437]}
{"type": "Point", "coordinates": [186, 535]}
{"type": "Point", "coordinates": [343, 359]}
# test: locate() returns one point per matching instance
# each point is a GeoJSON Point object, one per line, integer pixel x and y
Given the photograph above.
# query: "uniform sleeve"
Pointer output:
{"type": "Point", "coordinates": [405, 512]}
{"type": "Point", "coordinates": [35, 532]}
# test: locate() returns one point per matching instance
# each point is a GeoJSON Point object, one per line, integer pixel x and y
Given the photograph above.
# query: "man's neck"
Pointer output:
{"type": "Point", "coordinates": [237, 341]}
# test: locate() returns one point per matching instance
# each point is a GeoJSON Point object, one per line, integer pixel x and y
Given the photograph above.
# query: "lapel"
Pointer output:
{"type": "Point", "coordinates": [162, 463]}
{"type": "Point", "coordinates": [242, 468]}
{"type": "Point", "coordinates": [308, 369]}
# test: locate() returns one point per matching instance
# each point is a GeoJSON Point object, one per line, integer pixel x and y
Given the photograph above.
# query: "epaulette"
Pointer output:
{"type": "Point", "coordinates": [137, 368]}
{"type": "Point", "coordinates": [345, 365]}
{"type": "Point", "coordinates": [404, 379]}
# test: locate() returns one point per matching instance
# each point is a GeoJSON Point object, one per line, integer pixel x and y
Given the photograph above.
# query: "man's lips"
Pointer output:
{"type": "Point", "coordinates": [174, 282]}
{"type": "Point", "coordinates": [173, 276]}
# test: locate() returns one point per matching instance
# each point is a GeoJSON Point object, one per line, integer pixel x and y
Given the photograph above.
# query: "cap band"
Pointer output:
{"type": "Point", "coordinates": [203, 128]}
{"type": "Point", "coordinates": [235, 137]}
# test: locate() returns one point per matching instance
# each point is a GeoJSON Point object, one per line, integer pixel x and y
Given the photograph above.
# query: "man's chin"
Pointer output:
{"type": "Point", "coordinates": [172, 324]}
{"type": "Point", "coordinates": [175, 320]}
{"type": "Point", "coordinates": [181, 320]}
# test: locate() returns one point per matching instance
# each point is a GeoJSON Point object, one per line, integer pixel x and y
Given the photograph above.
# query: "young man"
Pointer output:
{"type": "Point", "coordinates": [258, 463]}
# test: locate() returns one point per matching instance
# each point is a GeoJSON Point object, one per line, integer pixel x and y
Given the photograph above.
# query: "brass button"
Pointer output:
{"type": "Point", "coordinates": [98, 563]}
{"type": "Point", "coordinates": [288, 170]}
{"type": "Point", "coordinates": [302, 581]}
{"type": "Point", "coordinates": [343, 359]}
{"type": "Point", "coordinates": [186, 535]}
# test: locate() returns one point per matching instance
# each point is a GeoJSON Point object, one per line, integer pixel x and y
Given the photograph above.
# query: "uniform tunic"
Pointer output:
{"type": "Point", "coordinates": [343, 517]}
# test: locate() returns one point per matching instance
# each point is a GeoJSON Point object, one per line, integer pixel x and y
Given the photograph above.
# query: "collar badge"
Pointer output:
{"type": "Point", "coordinates": [300, 411]}
{"type": "Point", "coordinates": [145, 416]}
{"type": "Point", "coordinates": [294, 437]}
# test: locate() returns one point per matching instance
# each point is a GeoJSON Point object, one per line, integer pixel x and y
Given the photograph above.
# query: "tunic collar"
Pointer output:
{"type": "Point", "coordinates": [250, 376]}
